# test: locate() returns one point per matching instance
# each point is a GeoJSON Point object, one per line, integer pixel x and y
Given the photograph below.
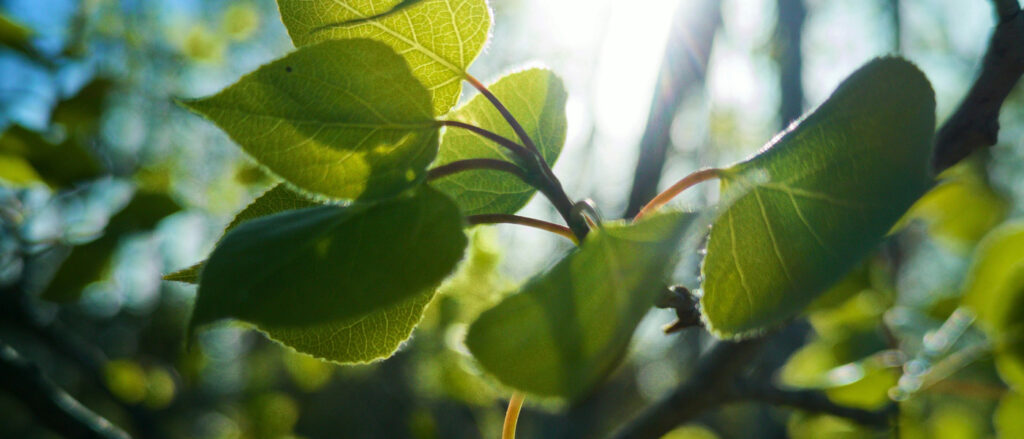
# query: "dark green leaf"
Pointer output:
{"type": "Point", "coordinates": [439, 38]}
{"type": "Point", "coordinates": [818, 199]}
{"type": "Point", "coordinates": [536, 97]}
{"type": "Point", "coordinates": [330, 264]}
{"type": "Point", "coordinates": [567, 329]}
{"type": "Point", "coordinates": [345, 119]}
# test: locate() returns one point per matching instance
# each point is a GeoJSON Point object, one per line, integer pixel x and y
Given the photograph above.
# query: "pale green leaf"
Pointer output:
{"type": "Point", "coordinates": [567, 329]}
{"type": "Point", "coordinates": [345, 119]}
{"type": "Point", "coordinates": [1008, 420]}
{"type": "Point", "coordinates": [536, 97]}
{"type": "Point", "coordinates": [818, 199]}
{"type": "Point", "coordinates": [275, 200]}
{"type": "Point", "coordinates": [994, 290]}
{"type": "Point", "coordinates": [330, 264]}
{"type": "Point", "coordinates": [439, 38]}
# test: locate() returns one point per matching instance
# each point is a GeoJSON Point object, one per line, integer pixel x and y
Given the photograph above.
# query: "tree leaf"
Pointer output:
{"type": "Point", "coordinates": [568, 328]}
{"type": "Point", "coordinates": [994, 290]}
{"type": "Point", "coordinates": [536, 97]}
{"type": "Point", "coordinates": [818, 198]}
{"type": "Point", "coordinates": [439, 38]}
{"type": "Point", "coordinates": [345, 119]}
{"type": "Point", "coordinates": [373, 336]}
{"type": "Point", "coordinates": [275, 200]}
{"type": "Point", "coordinates": [330, 263]}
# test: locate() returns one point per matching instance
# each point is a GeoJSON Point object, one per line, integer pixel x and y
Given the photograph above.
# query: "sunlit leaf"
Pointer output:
{"type": "Point", "coordinates": [330, 264]}
{"type": "Point", "coordinates": [345, 119]}
{"type": "Point", "coordinates": [439, 38]}
{"type": "Point", "coordinates": [962, 208]}
{"type": "Point", "coordinates": [818, 199]}
{"type": "Point", "coordinates": [994, 290]}
{"type": "Point", "coordinates": [567, 329]}
{"type": "Point", "coordinates": [536, 97]}
{"type": "Point", "coordinates": [1008, 420]}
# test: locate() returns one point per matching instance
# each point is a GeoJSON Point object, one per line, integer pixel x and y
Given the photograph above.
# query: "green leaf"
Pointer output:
{"type": "Point", "coordinates": [994, 290]}
{"type": "Point", "coordinates": [275, 200]}
{"type": "Point", "coordinates": [818, 199]}
{"type": "Point", "coordinates": [345, 119]}
{"type": "Point", "coordinates": [1007, 419]}
{"type": "Point", "coordinates": [568, 328]}
{"type": "Point", "coordinates": [373, 336]}
{"type": "Point", "coordinates": [536, 97]}
{"type": "Point", "coordinates": [330, 264]}
{"type": "Point", "coordinates": [439, 38]}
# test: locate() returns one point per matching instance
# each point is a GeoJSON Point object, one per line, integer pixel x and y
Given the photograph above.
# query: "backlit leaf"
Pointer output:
{"type": "Point", "coordinates": [439, 38]}
{"type": "Point", "coordinates": [536, 97]}
{"type": "Point", "coordinates": [567, 329]}
{"type": "Point", "coordinates": [818, 199]}
{"type": "Point", "coordinates": [345, 119]}
{"type": "Point", "coordinates": [330, 264]}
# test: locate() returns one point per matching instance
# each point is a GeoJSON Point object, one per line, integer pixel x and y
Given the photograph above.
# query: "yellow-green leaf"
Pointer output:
{"type": "Point", "coordinates": [345, 119]}
{"type": "Point", "coordinates": [439, 38]}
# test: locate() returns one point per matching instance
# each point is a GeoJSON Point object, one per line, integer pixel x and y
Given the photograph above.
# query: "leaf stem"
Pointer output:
{"type": "Point", "coordinates": [678, 188]}
{"type": "Point", "coordinates": [479, 163]}
{"type": "Point", "coordinates": [508, 430]}
{"type": "Point", "coordinates": [509, 144]}
{"type": "Point", "coordinates": [502, 218]}
{"type": "Point", "coordinates": [549, 185]}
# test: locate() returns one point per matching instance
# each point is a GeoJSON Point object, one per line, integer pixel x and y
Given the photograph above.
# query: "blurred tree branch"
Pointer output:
{"type": "Point", "coordinates": [682, 69]}
{"type": "Point", "coordinates": [814, 402]}
{"type": "Point", "coordinates": [975, 123]}
{"type": "Point", "coordinates": [52, 406]}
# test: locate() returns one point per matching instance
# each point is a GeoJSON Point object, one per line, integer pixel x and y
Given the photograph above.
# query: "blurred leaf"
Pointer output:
{"type": "Point", "coordinates": [353, 120]}
{"type": "Point", "coordinates": [961, 209]}
{"type": "Point", "coordinates": [536, 97]}
{"type": "Point", "coordinates": [82, 112]}
{"type": "Point", "coordinates": [274, 415]}
{"type": "Point", "coordinates": [16, 171]}
{"type": "Point", "coordinates": [241, 20]}
{"type": "Point", "coordinates": [438, 38]}
{"type": "Point", "coordinates": [1009, 416]}
{"type": "Point", "coordinates": [160, 388]}
{"type": "Point", "coordinates": [690, 432]}
{"type": "Point", "coordinates": [60, 165]}
{"type": "Point", "coordinates": [308, 373]}
{"type": "Point", "coordinates": [126, 379]}
{"type": "Point", "coordinates": [13, 34]}
{"type": "Point", "coordinates": [275, 200]}
{"type": "Point", "coordinates": [818, 199]}
{"type": "Point", "coordinates": [814, 426]}
{"type": "Point", "coordinates": [954, 421]}
{"type": "Point", "coordinates": [869, 392]}
{"type": "Point", "coordinates": [330, 264]}
{"type": "Point", "coordinates": [89, 262]}
{"type": "Point", "coordinates": [568, 328]}
{"type": "Point", "coordinates": [201, 44]}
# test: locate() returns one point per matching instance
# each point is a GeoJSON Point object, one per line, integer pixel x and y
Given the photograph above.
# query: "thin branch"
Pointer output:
{"type": "Point", "coordinates": [509, 144]}
{"type": "Point", "coordinates": [975, 123]}
{"type": "Point", "coordinates": [508, 430]}
{"type": "Point", "coordinates": [815, 402]}
{"type": "Point", "coordinates": [677, 188]}
{"type": "Point", "coordinates": [683, 68]}
{"type": "Point", "coordinates": [471, 164]}
{"type": "Point", "coordinates": [51, 406]}
{"type": "Point", "coordinates": [549, 184]}
{"type": "Point", "coordinates": [501, 218]}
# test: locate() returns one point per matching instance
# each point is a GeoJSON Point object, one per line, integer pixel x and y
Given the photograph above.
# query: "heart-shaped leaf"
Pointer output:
{"type": "Point", "coordinates": [567, 329]}
{"type": "Point", "coordinates": [439, 38]}
{"type": "Point", "coordinates": [330, 264]}
{"type": "Point", "coordinates": [818, 198]}
{"type": "Point", "coordinates": [536, 97]}
{"type": "Point", "coordinates": [345, 119]}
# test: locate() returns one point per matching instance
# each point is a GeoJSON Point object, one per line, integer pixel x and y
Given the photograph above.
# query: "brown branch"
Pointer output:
{"type": "Point", "coordinates": [51, 406]}
{"type": "Point", "coordinates": [682, 70]}
{"type": "Point", "coordinates": [975, 123]}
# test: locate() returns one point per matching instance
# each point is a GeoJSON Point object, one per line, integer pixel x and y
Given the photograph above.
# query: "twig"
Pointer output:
{"type": "Point", "coordinates": [975, 123]}
{"type": "Point", "coordinates": [51, 405]}
{"type": "Point", "coordinates": [521, 152]}
{"type": "Point", "coordinates": [502, 218]}
{"type": "Point", "coordinates": [815, 402]}
{"type": "Point", "coordinates": [471, 164]}
{"type": "Point", "coordinates": [677, 188]}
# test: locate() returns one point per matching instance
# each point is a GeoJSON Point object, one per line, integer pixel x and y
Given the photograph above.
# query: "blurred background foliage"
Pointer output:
{"type": "Point", "coordinates": [105, 184]}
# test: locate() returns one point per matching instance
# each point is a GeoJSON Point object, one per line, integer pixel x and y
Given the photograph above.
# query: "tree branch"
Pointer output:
{"type": "Point", "coordinates": [975, 123]}
{"type": "Point", "coordinates": [682, 69]}
{"type": "Point", "coordinates": [51, 405]}
{"type": "Point", "coordinates": [815, 402]}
